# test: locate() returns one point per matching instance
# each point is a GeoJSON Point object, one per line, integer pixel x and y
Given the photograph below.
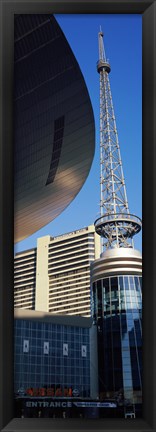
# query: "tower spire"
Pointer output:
{"type": "Point", "coordinates": [116, 225]}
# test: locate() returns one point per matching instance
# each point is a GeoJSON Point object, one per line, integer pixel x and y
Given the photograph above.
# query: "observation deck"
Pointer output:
{"type": "Point", "coordinates": [118, 228]}
{"type": "Point", "coordinates": [102, 64]}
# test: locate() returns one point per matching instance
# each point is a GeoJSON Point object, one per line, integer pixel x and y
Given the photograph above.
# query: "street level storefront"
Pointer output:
{"type": "Point", "coordinates": [65, 408]}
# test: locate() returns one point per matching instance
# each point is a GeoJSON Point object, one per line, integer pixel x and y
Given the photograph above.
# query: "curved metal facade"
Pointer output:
{"type": "Point", "coordinates": [54, 124]}
{"type": "Point", "coordinates": [117, 261]}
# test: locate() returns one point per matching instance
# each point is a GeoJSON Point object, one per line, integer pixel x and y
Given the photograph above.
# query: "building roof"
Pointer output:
{"type": "Point", "coordinates": [69, 320]}
{"type": "Point", "coordinates": [54, 124]}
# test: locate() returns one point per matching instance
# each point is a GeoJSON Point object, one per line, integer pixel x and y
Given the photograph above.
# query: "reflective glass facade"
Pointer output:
{"type": "Point", "coordinates": [51, 356]}
{"type": "Point", "coordinates": [117, 310]}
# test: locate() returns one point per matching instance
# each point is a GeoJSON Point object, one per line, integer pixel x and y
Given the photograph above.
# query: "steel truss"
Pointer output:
{"type": "Point", "coordinates": [116, 224]}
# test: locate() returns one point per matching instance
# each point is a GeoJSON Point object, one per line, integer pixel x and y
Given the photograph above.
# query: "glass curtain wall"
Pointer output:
{"type": "Point", "coordinates": [51, 358]}
{"type": "Point", "coordinates": [117, 310]}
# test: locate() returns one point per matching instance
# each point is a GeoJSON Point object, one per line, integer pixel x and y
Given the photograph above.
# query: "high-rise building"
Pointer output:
{"type": "Point", "coordinates": [116, 276]}
{"type": "Point", "coordinates": [55, 276]}
{"type": "Point", "coordinates": [25, 279]}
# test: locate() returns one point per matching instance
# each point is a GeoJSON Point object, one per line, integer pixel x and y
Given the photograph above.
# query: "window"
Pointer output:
{"type": "Point", "coordinates": [46, 347]}
{"type": "Point", "coordinates": [84, 351]}
{"type": "Point", "coordinates": [26, 346]}
{"type": "Point", "coordinates": [65, 349]}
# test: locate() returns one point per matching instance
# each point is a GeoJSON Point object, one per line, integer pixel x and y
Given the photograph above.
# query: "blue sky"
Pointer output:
{"type": "Point", "coordinates": [123, 46]}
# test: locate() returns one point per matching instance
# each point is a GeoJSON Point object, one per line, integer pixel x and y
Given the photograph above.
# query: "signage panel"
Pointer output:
{"type": "Point", "coordinates": [68, 404]}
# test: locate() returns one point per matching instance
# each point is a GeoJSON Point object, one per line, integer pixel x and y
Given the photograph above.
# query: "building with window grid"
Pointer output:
{"type": "Point", "coordinates": [25, 279]}
{"type": "Point", "coordinates": [54, 355]}
{"type": "Point", "coordinates": [55, 276]}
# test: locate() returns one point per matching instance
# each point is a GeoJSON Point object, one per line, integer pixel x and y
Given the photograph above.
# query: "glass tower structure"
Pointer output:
{"type": "Point", "coordinates": [116, 276]}
{"type": "Point", "coordinates": [117, 313]}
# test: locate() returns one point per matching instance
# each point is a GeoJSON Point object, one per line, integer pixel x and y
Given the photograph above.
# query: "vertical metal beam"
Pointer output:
{"type": "Point", "coordinates": [116, 224]}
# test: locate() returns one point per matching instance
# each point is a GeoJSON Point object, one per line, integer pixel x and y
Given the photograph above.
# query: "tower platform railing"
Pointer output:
{"type": "Point", "coordinates": [116, 225]}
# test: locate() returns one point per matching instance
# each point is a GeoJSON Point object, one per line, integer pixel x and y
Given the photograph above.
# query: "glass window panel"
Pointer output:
{"type": "Point", "coordinates": [137, 325]}
{"type": "Point", "coordinates": [133, 356]}
{"type": "Point", "coordinates": [116, 323]}
{"type": "Point", "coordinates": [125, 353]}
{"type": "Point", "coordinates": [126, 283]}
{"type": "Point", "coordinates": [129, 308]}
{"type": "Point", "coordinates": [107, 296]}
{"type": "Point", "coordinates": [126, 362]}
{"type": "Point", "coordinates": [46, 360]}
{"type": "Point", "coordinates": [125, 342]}
{"type": "Point", "coordinates": [99, 285]}
{"type": "Point", "coordinates": [32, 378]}
{"type": "Point", "coordinates": [131, 339]}
{"type": "Point", "coordinates": [115, 304]}
{"type": "Point", "coordinates": [106, 286]}
{"type": "Point", "coordinates": [33, 325]}
{"type": "Point", "coordinates": [130, 323]}
{"type": "Point", "coordinates": [129, 315]}
{"type": "Point", "coordinates": [126, 370]}
{"type": "Point", "coordinates": [33, 333]}
{"type": "Point", "coordinates": [140, 280]}
{"type": "Point", "coordinates": [137, 283]}
{"type": "Point", "coordinates": [117, 358]}
{"type": "Point", "coordinates": [27, 333]}
{"type": "Point", "coordinates": [127, 373]}
{"type": "Point", "coordinates": [26, 324]}
{"type": "Point", "coordinates": [134, 304]}
{"type": "Point", "coordinates": [139, 302]}
{"type": "Point", "coordinates": [33, 359]}
{"type": "Point", "coordinates": [114, 283]}
{"type": "Point", "coordinates": [139, 340]}
{"type": "Point", "coordinates": [127, 382]}
{"type": "Point", "coordinates": [114, 288]}
{"type": "Point", "coordinates": [133, 295]}
{"type": "Point", "coordinates": [38, 369]}
{"type": "Point", "coordinates": [131, 283]}
{"type": "Point", "coordinates": [136, 316]}
{"type": "Point", "coordinates": [123, 326]}
{"type": "Point", "coordinates": [121, 283]}
{"type": "Point", "coordinates": [38, 334]}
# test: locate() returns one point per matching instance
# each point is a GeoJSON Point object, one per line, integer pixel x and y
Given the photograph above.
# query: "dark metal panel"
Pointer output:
{"type": "Point", "coordinates": [48, 80]}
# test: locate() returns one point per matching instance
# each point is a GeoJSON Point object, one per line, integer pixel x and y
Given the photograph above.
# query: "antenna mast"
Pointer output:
{"type": "Point", "coordinates": [116, 225]}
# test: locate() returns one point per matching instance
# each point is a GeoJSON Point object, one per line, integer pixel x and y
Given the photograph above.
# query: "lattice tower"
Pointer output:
{"type": "Point", "coordinates": [116, 225]}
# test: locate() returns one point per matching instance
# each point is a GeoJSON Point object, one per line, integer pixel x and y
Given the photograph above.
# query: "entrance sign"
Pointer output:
{"type": "Point", "coordinates": [68, 404]}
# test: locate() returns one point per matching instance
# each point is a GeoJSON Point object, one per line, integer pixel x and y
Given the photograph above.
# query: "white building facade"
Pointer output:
{"type": "Point", "coordinates": [55, 276]}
